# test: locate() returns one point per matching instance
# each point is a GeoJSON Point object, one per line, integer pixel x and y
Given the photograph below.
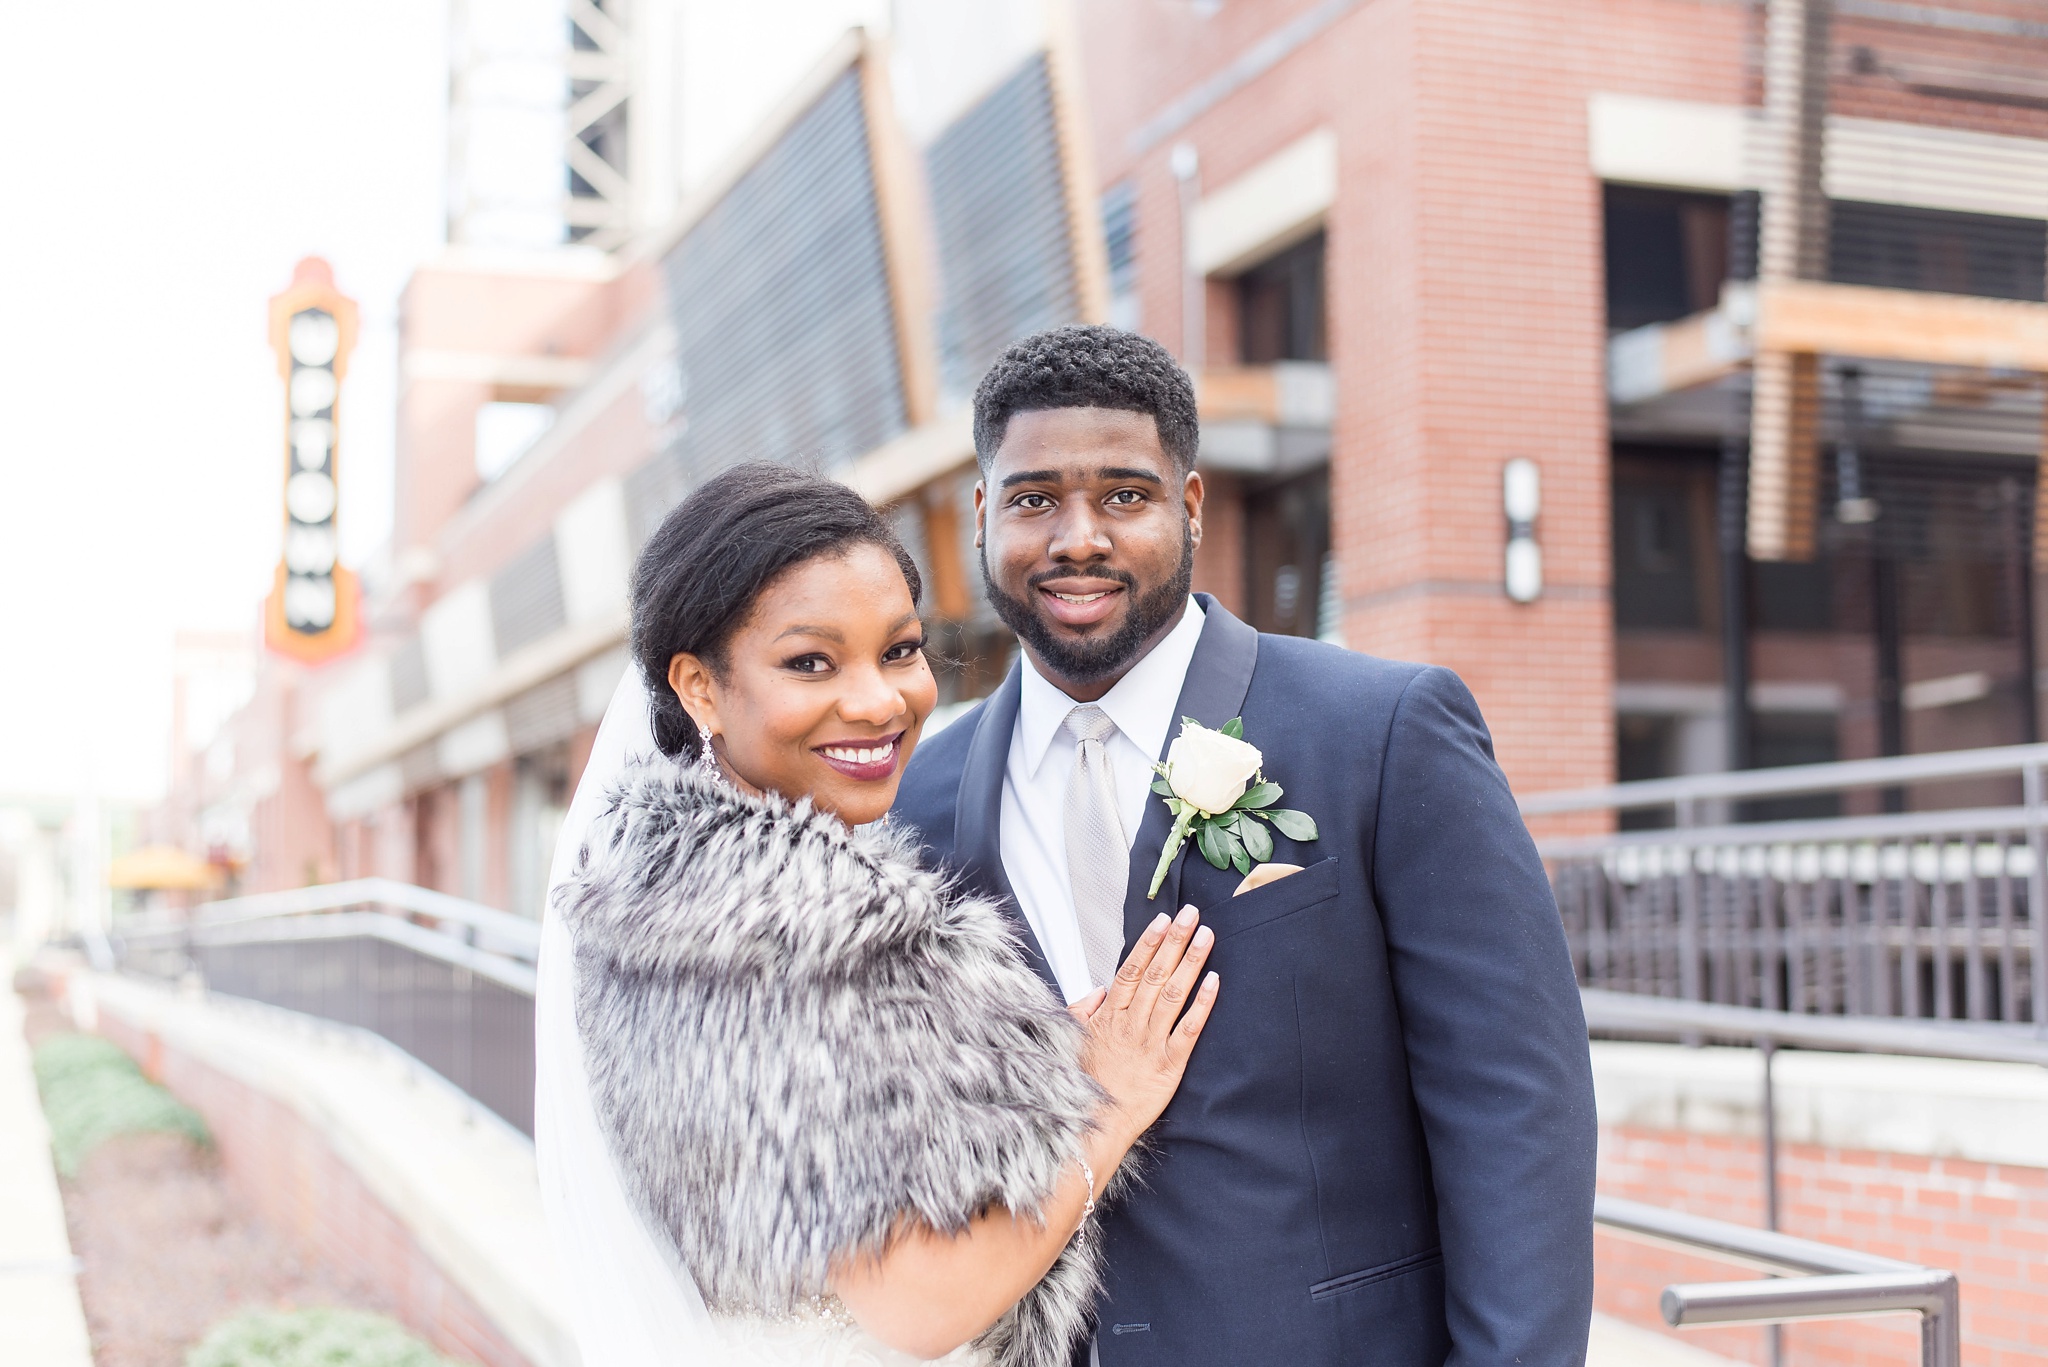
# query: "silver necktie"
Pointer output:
{"type": "Point", "coordinates": [1098, 857]}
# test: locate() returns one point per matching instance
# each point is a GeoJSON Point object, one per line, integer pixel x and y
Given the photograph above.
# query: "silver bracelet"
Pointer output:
{"type": "Point", "coordinates": [1081, 1229]}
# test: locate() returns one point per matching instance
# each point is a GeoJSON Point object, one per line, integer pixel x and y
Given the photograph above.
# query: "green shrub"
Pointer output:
{"type": "Point", "coordinates": [92, 1091]}
{"type": "Point", "coordinates": [311, 1338]}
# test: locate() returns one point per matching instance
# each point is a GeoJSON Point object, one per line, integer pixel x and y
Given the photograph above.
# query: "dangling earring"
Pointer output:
{"type": "Point", "coordinates": [707, 762]}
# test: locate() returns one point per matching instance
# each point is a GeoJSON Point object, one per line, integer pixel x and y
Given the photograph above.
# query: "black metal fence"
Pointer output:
{"type": "Point", "coordinates": [1929, 915]}
{"type": "Point", "coordinates": [1918, 929]}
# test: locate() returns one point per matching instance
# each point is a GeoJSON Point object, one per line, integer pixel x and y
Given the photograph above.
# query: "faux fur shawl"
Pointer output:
{"type": "Point", "coordinates": [796, 1036]}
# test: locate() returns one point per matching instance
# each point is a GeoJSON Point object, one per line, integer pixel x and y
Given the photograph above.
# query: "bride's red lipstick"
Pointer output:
{"type": "Point", "coordinates": [887, 752]}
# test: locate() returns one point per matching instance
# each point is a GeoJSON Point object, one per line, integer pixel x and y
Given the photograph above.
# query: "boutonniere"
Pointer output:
{"type": "Point", "coordinates": [1213, 786]}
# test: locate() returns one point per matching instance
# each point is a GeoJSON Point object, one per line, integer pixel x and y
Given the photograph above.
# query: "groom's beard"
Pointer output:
{"type": "Point", "coordinates": [1091, 659]}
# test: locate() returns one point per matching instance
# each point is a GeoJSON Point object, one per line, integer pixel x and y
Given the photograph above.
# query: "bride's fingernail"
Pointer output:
{"type": "Point", "coordinates": [1203, 937]}
{"type": "Point", "coordinates": [1187, 916]}
{"type": "Point", "coordinates": [1158, 924]}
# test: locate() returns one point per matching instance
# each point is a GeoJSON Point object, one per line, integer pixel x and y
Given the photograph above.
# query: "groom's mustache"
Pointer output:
{"type": "Point", "coordinates": [1123, 577]}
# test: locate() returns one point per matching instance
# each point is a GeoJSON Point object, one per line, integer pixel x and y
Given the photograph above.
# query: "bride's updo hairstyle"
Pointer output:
{"type": "Point", "coordinates": [701, 571]}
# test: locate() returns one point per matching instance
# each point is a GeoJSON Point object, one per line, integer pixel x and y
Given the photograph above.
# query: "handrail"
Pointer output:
{"type": "Point", "coordinates": [519, 936]}
{"type": "Point", "coordinates": [357, 892]}
{"type": "Point", "coordinates": [1763, 1249]}
{"type": "Point", "coordinates": [1673, 1018]}
{"type": "Point", "coordinates": [1792, 779]}
{"type": "Point", "coordinates": [1886, 828]}
{"type": "Point", "coordinates": [505, 970]}
{"type": "Point", "coordinates": [1826, 1282]}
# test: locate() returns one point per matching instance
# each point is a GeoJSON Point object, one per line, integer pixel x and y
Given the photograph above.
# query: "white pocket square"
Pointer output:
{"type": "Point", "coordinates": [1264, 874]}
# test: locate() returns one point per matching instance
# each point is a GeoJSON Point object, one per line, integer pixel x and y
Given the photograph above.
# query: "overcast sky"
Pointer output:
{"type": "Point", "coordinates": [165, 167]}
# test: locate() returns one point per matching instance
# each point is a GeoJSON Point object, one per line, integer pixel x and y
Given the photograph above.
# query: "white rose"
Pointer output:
{"type": "Point", "coordinates": [1209, 770]}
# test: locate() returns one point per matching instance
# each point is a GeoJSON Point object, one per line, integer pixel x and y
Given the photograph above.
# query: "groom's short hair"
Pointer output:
{"type": "Point", "coordinates": [1087, 366]}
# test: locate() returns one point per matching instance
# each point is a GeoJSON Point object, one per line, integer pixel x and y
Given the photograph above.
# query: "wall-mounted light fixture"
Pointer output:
{"type": "Point", "coordinates": [1186, 165]}
{"type": "Point", "coordinates": [1521, 498]}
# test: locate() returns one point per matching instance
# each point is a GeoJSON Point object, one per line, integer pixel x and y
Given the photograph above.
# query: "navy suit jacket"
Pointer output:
{"type": "Point", "coordinates": [1382, 1151]}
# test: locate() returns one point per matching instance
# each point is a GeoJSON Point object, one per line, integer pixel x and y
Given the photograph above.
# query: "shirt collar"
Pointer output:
{"type": "Point", "coordinates": [1141, 704]}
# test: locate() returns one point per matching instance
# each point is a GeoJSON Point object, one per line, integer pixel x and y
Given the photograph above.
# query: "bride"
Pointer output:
{"type": "Point", "coordinates": [800, 1103]}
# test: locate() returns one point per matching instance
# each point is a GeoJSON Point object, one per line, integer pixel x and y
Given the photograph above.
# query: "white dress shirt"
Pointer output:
{"type": "Point", "coordinates": [1041, 762]}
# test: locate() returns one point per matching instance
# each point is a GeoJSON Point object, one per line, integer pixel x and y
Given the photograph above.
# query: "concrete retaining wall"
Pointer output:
{"type": "Point", "coordinates": [1936, 1162]}
{"type": "Point", "coordinates": [377, 1165]}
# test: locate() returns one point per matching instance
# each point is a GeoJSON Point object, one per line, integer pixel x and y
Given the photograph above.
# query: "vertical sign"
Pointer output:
{"type": "Point", "coordinates": [311, 615]}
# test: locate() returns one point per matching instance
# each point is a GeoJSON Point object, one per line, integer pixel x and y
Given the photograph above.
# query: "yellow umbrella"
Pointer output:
{"type": "Point", "coordinates": [161, 866]}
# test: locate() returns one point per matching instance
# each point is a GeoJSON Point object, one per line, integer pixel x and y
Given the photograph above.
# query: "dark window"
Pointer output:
{"type": "Point", "coordinates": [1645, 747]}
{"type": "Point", "coordinates": [1280, 307]}
{"type": "Point", "coordinates": [1287, 534]}
{"type": "Point", "coordinates": [1782, 738]}
{"type": "Point", "coordinates": [1667, 254]}
{"type": "Point", "coordinates": [1655, 586]}
{"type": "Point", "coordinates": [1792, 595]}
{"type": "Point", "coordinates": [1120, 235]}
{"type": "Point", "coordinates": [1896, 247]}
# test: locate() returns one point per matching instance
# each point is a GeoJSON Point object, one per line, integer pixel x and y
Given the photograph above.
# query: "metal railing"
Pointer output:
{"type": "Point", "coordinates": [447, 980]}
{"type": "Point", "coordinates": [451, 982]}
{"type": "Point", "coordinates": [1921, 914]}
{"type": "Point", "coordinates": [1815, 1280]}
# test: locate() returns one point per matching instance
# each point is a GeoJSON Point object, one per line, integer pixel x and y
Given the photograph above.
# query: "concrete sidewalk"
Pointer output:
{"type": "Point", "coordinates": [42, 1323]}
{"type": "Point", "coordinates": [1617, 1344]}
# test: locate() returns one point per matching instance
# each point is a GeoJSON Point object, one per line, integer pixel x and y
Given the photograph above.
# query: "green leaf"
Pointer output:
{"type": "Point", "coordinates": [1162, 787]}
{"type": "Point", "coordinates": [1234, 728]}
{"type": "Point", "coordinates": [1210, 838]}
{"type": "Point", "coordinates": [1257, 842]}
{"type": "Point", "coordinates": [1259, 795]}
{"type": "Point", "coordinates": [1293, 825]}
{"type": "Point", "coordinates": [1238, 855]}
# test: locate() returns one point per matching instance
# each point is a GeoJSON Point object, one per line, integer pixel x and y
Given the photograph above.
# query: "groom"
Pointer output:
{"type": "Point", "coordinates": [1383, 1148]}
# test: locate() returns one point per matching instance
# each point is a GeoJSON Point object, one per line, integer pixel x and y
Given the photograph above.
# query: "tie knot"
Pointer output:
{"type": "Point", "coordinates": [1089, 722]}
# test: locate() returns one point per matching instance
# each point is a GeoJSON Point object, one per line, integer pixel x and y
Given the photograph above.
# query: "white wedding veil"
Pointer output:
{"type": "Point", "coordinates": [634, 1305]}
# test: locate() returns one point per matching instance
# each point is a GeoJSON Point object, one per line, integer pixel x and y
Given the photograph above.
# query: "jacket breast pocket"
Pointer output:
{"type": "Point", "coordinates": [1311, 887]}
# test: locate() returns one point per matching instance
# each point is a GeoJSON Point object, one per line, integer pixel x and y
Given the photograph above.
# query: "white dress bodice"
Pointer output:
{"type": "Point", "coordinates": [819, 1334]}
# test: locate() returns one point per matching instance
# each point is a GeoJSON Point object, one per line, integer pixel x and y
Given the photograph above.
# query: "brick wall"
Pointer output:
{"type": "Point", "coordinates": [1465, 300]}
{"type": "Point", "coordinates": [1987, 1223]}
{"type": "Point", "coordinates": [285, 1170]}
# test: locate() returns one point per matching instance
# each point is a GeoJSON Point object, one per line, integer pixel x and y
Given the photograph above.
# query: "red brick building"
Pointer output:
{"type": "Point", "coordinates": [1406, 245]}
{"type": "Point", "coordinates": [1512, 210]}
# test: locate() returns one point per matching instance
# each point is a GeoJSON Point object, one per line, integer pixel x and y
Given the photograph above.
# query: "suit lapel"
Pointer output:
{"type": "Point", "coordinates": [1219, 676]}
{"type": "Point", "coordinates": [978, 816]}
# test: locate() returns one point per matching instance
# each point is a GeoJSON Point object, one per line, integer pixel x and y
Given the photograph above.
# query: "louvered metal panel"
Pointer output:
{"type": "Point", "coordinates": [526, 598]}
{"type": "Point", "coordinates": [1895, 247]}
{"type": "Point", "coordinates": [652, 489]}
{"type": "Point", "coordinates": [1005, 238]}
{"type": "Point", "coordinates": [542, 715]}
{"type": "Point", "coordinates": [420, 767]}
{"type": "Point", "coordinates": [408, 676]}
{"type": "Point", "coordinates": [786, 332]}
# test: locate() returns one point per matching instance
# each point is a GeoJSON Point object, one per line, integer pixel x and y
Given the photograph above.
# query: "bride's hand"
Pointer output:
{"type": "Point", "coordinates": [1135, 1048]}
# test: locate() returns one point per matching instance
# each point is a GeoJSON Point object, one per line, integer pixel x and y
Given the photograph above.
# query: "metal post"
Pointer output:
{"type": "Point", "coordinates": [1888, 636]}
{"type": "Point", "coordinates": [2019, 561]}
{"type": "Point", "coordinates": [1768, 1048]}
{"type": "Point", "coordinates": [1691, 981]}
{"type": "Point", "coordinates": [2037, 894]}
{"type": "Point", "coordinates": [1733, 498]}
